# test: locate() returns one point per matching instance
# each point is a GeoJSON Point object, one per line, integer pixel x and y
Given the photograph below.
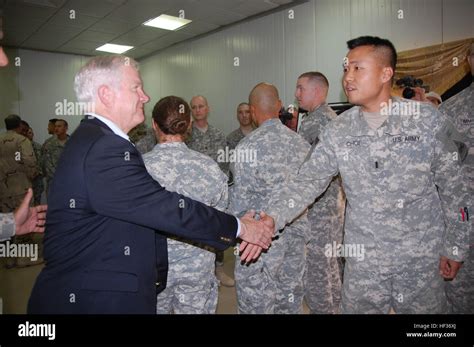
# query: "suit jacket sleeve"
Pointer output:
{"type": "Point", "coordinates": [119, 187]}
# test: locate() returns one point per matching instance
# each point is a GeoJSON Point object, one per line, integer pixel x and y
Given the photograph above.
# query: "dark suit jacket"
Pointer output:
{"type": "Point", "coordinates": [101, 249]}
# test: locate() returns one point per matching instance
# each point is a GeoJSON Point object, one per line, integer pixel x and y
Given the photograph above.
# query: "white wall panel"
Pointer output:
{"type": "Point", "coordinates": [333, 29]}
{"type": "Point", "coordinates": [458, 19]}
{"type": "Point", "coordinates": [45, 79]}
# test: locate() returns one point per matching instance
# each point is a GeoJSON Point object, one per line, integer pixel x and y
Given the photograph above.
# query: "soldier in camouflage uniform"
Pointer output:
{"type": "Point", "coordinates": [245, 121]}
{"type": "Point", "coordinates": [38, 185]}
{"type": "Point", "coordinates": [147, 142]}
{"type": "Point", "coordinates": [17, 165]}
{"type": "Point", "coordinates": [17, 170]}
{"type": "Point", "coordinates": [7, 226]}
{"type": "Point", "coordinates": [273, 283]}
{"type": "Point", "coordinates": [460, 110]}
{"type": "Point", "coordinates": [191, 285]}
{"type": "Point", "coordinates": [401, 175]}
{"type": "Point", "coordinates": [52, 150]}
{"type": "Point", "coordinates": [208, 140]}
{"type": "Point", "coordinates": [205, 138]}
{"type": "Point", "coordinates": [322, 281]}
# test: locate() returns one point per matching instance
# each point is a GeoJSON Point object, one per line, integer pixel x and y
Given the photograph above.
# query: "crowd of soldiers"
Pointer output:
{"type": "Point", "coordinates": [407, 179]}
{"type": "Point", "coordinates": [371, 207]}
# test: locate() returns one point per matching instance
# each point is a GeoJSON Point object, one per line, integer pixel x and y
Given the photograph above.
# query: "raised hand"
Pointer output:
{"type": "Point", "coordinates": [29, 219]}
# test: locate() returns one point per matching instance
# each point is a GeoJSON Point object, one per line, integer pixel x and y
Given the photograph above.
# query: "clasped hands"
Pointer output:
{"type": "Point", "coordinates": [256, 235]}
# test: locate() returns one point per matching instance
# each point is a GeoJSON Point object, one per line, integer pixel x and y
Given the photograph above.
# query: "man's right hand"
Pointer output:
{"type": "Point", "coordinates": [257, 232]}
{"type": "Point", "coordinates": [29, 219]}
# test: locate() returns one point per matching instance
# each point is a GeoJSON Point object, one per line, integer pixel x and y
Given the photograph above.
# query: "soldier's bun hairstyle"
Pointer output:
{"type": "Point", "coordinates": [172, 115]}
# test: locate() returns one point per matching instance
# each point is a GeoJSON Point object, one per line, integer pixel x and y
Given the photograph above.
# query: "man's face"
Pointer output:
{"type": "Point", "coordinates": [51, 128]}
{"type": "Point", "coordinates": [30, 134]}
{"type": "Point", "coordinates": [243, 115]}
{"type": "Point", "coordinates": [130, 99]}
{"type": "Point", "coordinates": [60, 128]}
{"type": "Point", "coordinates": [23, 129]}
{"type": "Point", "coordinates": [363, 76]}
{"type": "Point", "coordinates": [199, 108]}
{"type": "Point", "coordinates": [306, 93]}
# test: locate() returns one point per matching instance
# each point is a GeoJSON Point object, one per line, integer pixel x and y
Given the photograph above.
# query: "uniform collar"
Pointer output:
{"type": "Point", "coordinates": [316, 109]}
{"type": "Point", "coordinates": [171, 145]}
{"type": "Point", "coordinates": [270, 122]}
{"type": "Point", "coordinates": [391, 126]}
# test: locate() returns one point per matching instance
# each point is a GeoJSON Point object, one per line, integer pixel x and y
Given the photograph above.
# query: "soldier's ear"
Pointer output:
{"type": "Point", "coordinates": [387, 74]}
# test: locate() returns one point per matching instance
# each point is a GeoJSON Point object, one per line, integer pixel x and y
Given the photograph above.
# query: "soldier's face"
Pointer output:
{"type": "Point", "coordinates": [60, 128]}
{"type": "Point", "coordinates": [51, 128]}
{"type": "Point", "coordinates": [30, 134]}
{"type": "Point", "coordinates": [199, 108]}
{"type": "Point", "coordinates": [364, 77]}
{"type": "Point", "coordinates": [23, 130]}
{"type": "Point", "coordinates": [243, 115]}
{"type": "Point", "coordinates": [306, 93]}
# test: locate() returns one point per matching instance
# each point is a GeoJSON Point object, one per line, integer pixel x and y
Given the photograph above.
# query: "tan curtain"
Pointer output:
{"type": "Point", "coordinates": [439, 66]}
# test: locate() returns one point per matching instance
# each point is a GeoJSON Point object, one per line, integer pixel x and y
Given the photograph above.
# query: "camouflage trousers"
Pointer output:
{"type": "Point", "coordinates": [38, 188]}
{"type": "Point", "coordinates": [460, 291]}
{"type": "Point", "coordinates": [192, 287]}
{"type": "Point", "coordinates": [323, 275]}
{"type": "Point", "coordinates": [274, 283]}
{"type": "Point", "coordinates": [410, 285]}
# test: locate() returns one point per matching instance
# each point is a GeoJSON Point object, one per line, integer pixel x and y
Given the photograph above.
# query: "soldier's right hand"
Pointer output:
{"type": "Point", "coordinates": [257, 232]}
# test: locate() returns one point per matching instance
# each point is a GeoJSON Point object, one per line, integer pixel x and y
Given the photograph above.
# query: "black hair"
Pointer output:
{"type": "Point", "coordinates": [12, 121]}
{"type": "Point", "coordinates": [377, 42]}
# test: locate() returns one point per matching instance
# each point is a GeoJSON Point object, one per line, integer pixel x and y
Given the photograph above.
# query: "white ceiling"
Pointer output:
{"type": "Point", "coordinates": [47, 24]}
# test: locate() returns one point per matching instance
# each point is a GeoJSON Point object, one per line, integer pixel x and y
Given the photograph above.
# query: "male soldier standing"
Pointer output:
{"type": "Point", "coordinates": [209, 140]}
{"type": "Point", "coordinates": [17, 171]}
{"type": "Point", "coordinates": [51, 130]}
{"type": "Point", "coordinates": [460, 110]}
{"type": "Point", "coordinates": [274, 283]}
{"type": "Point", "coordinates": [17, 165]}
{"type": "Point", "coordinates": [406, 225]}
{"type": "Point", "coordinates": [245, 128]}
{"type": "Point", "coordinates": [205, 138]}
{"type": "Point", "coordinates": [53, 150]}
{"type": "Point", "coordinates": [322, 281]}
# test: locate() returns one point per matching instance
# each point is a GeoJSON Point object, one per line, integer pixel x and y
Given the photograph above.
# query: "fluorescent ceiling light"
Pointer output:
{"type": "Point", "coordinates": [111, 48]}
{"type": "Point", "coordinates": [167, 22]}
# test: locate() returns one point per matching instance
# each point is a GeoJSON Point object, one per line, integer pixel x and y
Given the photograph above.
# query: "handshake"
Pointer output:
{"type": "Point", "coordinates": [256, 235]}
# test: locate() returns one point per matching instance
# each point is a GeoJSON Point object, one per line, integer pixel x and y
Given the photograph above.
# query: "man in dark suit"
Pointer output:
{"type": "Point", "coordinates": [105, 244]}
